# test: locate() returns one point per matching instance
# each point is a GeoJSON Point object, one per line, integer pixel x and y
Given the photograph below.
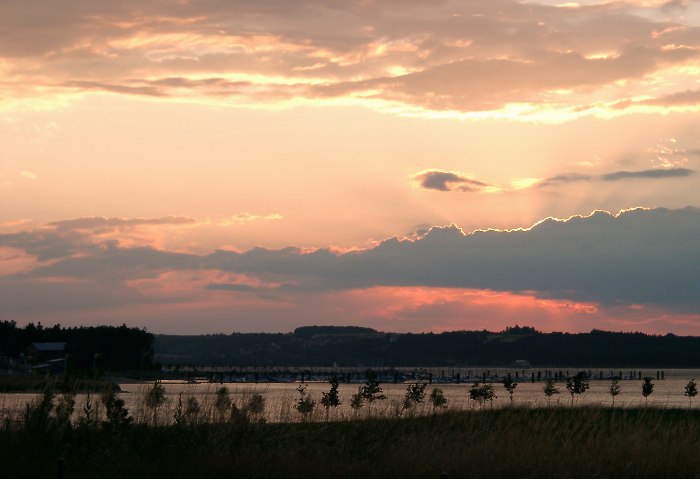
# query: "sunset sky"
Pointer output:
{"type": "Point", "coordinates": [201, 166]}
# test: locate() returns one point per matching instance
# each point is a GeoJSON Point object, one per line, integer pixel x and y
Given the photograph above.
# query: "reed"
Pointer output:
{"type": "Point", "coordinates": [558, 442]}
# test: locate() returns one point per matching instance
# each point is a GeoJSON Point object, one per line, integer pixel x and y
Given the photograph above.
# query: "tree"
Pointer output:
{"type": "Point", "coordinates": [371, 391]}
{"type": "Point", "coordinates": [155, 398]}
{"type": "Point", "coordinates": [691, 390]}
{"type": "Point", "coordinates": [64, 410]}
{"type": "Point", "coordinates": [116, 414]}
{"type": "Point", "coordinates": [438, 399]}
{"type": "Point", "coordinates": [255, 406]}
{"type": "Point", "coordinates": [510, 386]}
{"type": "Point", "coordinates": [87, 418]}
{"type": "Point", "coordinates": [357, 401]}
{"type": "Point", "coordinates": [577, 385]}
{"type": "Point", "coordinates": [222, 404]}
{"type": "Point", "coordinates": [192, 409]}
{"type": "Point", "coordinates": [482, 393]}
{"type": "Point", "coordinates": [38, 414]}
{"type": "Point", "coordinates": [415, 394]}
{"type": "Point", "coordinates": [550, 390]}
{"type": "Point", "coordinates": [614, 390]}
{"type": "Point", "coordinates": [305, 405]}
{"type": "Point", "coordinates": [331, 398]}
{"type": "Point", "coordinates": [179, 414]}
{"type": "Point", "coordinates": [647, 389]}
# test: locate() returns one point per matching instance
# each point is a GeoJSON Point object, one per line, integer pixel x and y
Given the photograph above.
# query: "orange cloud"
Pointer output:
{"type": "Point", "coordinates": [469, 57]}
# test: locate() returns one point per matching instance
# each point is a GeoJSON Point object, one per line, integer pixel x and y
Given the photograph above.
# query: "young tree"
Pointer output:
{"type": "Point", "coordinates": [255, 406]}
{"type": "Point", "coordinates": [357, 401]}
{"type": "Point", "coordinates": [482, 393]}
{"type": "Point", "coordinates": [438, 399]}
{"type": "Point", "coordinates": [37, 414]}
{"type": "Point", "coordinates": [415, 394]}
{"type": "Point", "coordinates": [614, 390]}
{"type": "Point", "coordinates": [222, 403]}
{"type": "Point", "coordinates": [647, 389]}
{"type": "Point", "coordinates": [550, 390]}
{"type": "Point", "coordinates": [305, 405]}
{"type": "Point", "coordinates": [192, 409]}
{"type": "Point", "coordinates": [87, 418]}
{"type": "Point", "coordinates": [331, 399]}
{"type": "Point", "coordinates": [64, 410]}
{"type": "Point", "coordinates": [577, 385]}
{"type": "Point", "coordinates": [691, 390]}
{"type": "Point", "coordinates": [155, 398]}
{"type": "Point", "coordinates": [510, 386]}
{"type": "Point", "coordinates": [117, 415]}
{"type": "Point", "coordinates": [371, 391]}
{"type": "Point", "coordinates": [179, 414]}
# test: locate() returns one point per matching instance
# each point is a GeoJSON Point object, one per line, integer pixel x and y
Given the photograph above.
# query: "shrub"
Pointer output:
{"type": "Point", "coordinates": [438, 399]}
{"type": "Point", "coordinates": [482, 393]}
{"type": "Point", "coordinates": [222, 404]}
{"type": "Point", "coordinates": [550, 390]}
{"type": "Point", "coordinates": [116, 414]}
{"type": "Point", "coordinates": [691, 390]}
{"type": "Point", "coordinates": [614, 390]}
{"type": "Point", "coordinates": [415, 394]}
{"type": "Point", "coordinates": [305, 405]}
{"type": "Point", "coordinates": [155, 398]}
{"type": "Point", "coordinates": [371, 391]}
{"type": "Point", "coordinates": [510, 386]}
{"type": "Point", "coordinates": [577, 385]}
{"type": "Point", "coordinates": [647, 389]}
{"type": "Point", "coordinates": [192, 410]}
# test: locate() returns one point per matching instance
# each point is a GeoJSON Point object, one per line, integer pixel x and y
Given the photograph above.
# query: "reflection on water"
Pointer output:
{"type": "Point", "coordinates": [280, 398]}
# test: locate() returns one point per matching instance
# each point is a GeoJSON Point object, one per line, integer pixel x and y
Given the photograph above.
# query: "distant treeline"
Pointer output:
{"type": "Point", "coordinates": [353, 346]}
{"type": "Point", "coordinates": [107, 348]}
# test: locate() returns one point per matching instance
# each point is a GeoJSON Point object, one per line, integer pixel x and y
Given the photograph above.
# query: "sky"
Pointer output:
{"type": "Point", "coordinates": [211, 166]}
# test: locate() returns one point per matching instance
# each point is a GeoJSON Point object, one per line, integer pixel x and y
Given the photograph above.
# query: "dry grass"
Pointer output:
{"type": "Point", "coordinates": [544, 443]}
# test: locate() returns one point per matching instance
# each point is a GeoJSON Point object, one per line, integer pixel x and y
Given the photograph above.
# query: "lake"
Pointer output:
{"type": "Point", "coordinates": [280, 398]}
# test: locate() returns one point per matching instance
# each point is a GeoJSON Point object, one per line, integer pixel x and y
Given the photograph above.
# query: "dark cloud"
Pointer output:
{"type": "Point", "coordinates": [49, 244]}
{"type": "Point", "coordinates": [656, 174]}
{"type": "Point", "coordinates": [649, 174]}
{"type": "Point", "coordinates": [447, 181]}
{"type": "Point", "coordinates": [566, 178]}
{"type": "Point", "coordinates": [67, 238]}
{"type": "Point", "coordinates": [636, 257]}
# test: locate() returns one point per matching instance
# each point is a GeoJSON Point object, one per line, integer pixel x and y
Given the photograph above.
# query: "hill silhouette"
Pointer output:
{"type": "Point", "coordinates": [354, 346]}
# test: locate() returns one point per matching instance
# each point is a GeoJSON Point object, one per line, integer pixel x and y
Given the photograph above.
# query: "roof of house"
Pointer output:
{"type": "Point", "coordinates": [49, 346]}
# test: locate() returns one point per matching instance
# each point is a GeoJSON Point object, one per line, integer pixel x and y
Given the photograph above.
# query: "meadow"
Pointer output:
{"type": "Point", "coordinates": [580, 442]}
{"type": "Point", "coordinates": [229, 434]}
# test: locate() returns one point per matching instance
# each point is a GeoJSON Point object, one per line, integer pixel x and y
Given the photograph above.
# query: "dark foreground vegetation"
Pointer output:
{"type": "Point", "coordinates": [37, 384]}
{"type": "Point", "coordinates": [354, 346]}
{"type": "Point", "coordinates": [512, 442]}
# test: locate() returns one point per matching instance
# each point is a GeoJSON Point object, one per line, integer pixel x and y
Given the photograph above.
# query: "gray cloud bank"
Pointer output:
{"type": "Point", "coordinates": [655, 174]}
{"type": "Point", "coordinates": [636, 257]}
{"type": "Point", "coordinates": [450, 181]}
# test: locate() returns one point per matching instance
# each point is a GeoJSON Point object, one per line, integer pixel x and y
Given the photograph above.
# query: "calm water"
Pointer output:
{"type": "Point", "coordinates": [280, 398]}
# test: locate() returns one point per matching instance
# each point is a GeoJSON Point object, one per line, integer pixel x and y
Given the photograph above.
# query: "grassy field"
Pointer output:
{"type": "Point", "coordinates": [575, 442]}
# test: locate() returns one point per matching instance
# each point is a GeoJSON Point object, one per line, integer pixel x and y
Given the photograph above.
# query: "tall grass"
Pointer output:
{"type": "Point", "coordinates": [513, 442]}
{"type": "Point", "coordinates": [382, 440]}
